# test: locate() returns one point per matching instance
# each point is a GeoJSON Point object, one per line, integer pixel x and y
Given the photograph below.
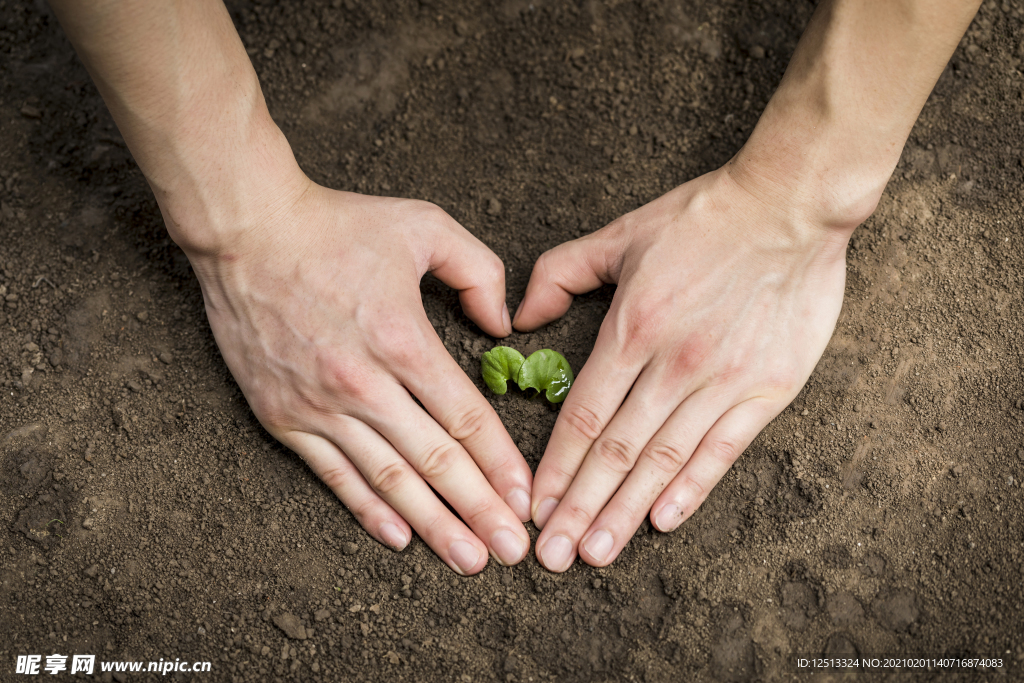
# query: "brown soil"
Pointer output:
{"type": "Point", "coordinates": [881, 513]}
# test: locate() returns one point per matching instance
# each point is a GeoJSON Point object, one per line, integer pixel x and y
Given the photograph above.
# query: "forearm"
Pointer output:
{"type": "Point", "coordinates": [833, 132]}
{"type": "Point", "coordinates": [180, 86]}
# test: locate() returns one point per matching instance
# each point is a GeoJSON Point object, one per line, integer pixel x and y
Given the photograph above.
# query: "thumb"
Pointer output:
{"type": "Point", "coordinates": [463, 262]}
{"type": "Point", "coordinates": [571, 268]}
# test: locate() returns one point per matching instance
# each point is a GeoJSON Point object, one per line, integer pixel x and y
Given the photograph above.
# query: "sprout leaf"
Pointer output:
{"type": "Point", "coordinates": [547, 371]}
{"type": "Point", "coordinates": [499, 365]}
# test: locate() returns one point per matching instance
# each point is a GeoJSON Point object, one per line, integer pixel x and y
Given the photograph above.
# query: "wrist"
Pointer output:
{"type": "Point", "coordinates": [184, 94]}
{"type": "Point", "coordinates": [222, 186]}
{"type": "Point", "coordinates": [811, 168]}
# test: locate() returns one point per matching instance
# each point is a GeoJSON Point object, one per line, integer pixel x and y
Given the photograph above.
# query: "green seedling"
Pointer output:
{"type": "Point", "coordinates": [544, 370]}
{"type": "Point", "coordinates": [55, 531]}
{"type": "Point", "coordinates": [499, 365]}
{"type": "Point", "coordinates": [547, 371]}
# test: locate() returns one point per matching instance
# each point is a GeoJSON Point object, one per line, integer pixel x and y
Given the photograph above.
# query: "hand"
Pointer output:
{"type": "Point", "coordinates": [317, 312]}
{"type": "Point", "coordinates": [724, 304]}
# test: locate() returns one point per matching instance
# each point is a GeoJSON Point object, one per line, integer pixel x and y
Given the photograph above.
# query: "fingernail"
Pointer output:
{"type": "Point", "coordinates": [599, 545]}
{"type": "Point", "coordinates": [668, 517]}
{"type": "Point", "coordinates": [544, 510]}
{"type": "Point", "coordinates": [519, 501]}
{"type": "Point", "coordinates": [556, 553]}
{"type": "Point", "coordinates": [393, 536]}
{"type": "Point", "coordinates": [505, 320]}
{"type": "Point", "coordinates": [464, 555]}
{"type": "Point", "coordinates": [508, 548]}
{"type": "Point", "coordinates": [518, 308]}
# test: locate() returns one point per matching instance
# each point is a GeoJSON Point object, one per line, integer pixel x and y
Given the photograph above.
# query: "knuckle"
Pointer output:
{"type": "Point", "coordinates": [667, 457]}
{"type": "Point", "coordinates": [547, 268]}
{"type": "Point", "coordinates": [389, 478]}
{"type": "Point", "coordinates": [618, 454]}
{"type": "Point", "coordinates": [697, 491]}
{"type": "Point", "coordinates": [334, 478]}
{"type": "Point", "coordinates": [468, 422]}
{"type": "Point", "coordinates": [438, 460]}
{"type": "Point", "coordinates": [346, 377]}
{"type": "Point", "coordinates": [637, 330]}
{"type": "Point", "coordinates": [724, 450]}
{"type": "Point", "coordinates": [633, 508]}
{"type": "Point", "coordinates": [434, 526]}
{"type": "Point", "coordinates": [273, 419]}
{"type": "Point", "coordinates": [561, 470]}
{"type": "Point", "coordinates": [542, 266]}
{"type": "Point", "coordinates": [364, 512]}
{"type": "Point", "coordinates": [783, 382]}
{"type": "Point", "coordinates": [579, 515]}
{"type": "Point", "coordinates": [405, 350]}
{"type": "Point", "coordinates": [434, 213]}
{"type": "Point", "coordinates": [494, 269]}
{"type": "Point", "coordinates": [476, 513]}
{"type": "Point", "coordinates": [686, 357]}
{"type": "Point", "coordinates": [583, 421]}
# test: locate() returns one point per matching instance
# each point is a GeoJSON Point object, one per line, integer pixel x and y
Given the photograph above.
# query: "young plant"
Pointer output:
{"type": "Point", "coordinates": [544, 370]}
{"type": "Point", "coordinates": [499, 365]}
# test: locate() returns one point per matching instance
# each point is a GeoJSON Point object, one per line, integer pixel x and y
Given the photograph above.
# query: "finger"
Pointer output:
{"type": "Point", "coordinates": [463, 262]}
{"type": "Point", "coordinates": [718, 450]}
{"type": "Point", "coordinates": [393, 479]}
{"type": "Point", "coordinates": [448, 468]}
{"type": "Point", "coordinates": [608, 462]}
{"type": "Point", "coordinates": [334, 468]}
{"type": "Point", "coordinates": [571, 268]}
{"type": "Point", "coordinates": [458, 406]}
{"type": "Point", "coordinates": [662, 458]}
{"type": "Point", "coordinates": [596, 395]}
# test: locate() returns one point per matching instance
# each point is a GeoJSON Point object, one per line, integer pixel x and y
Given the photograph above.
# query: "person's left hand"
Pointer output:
{"type": "Point", "coordinates": [726, 299]}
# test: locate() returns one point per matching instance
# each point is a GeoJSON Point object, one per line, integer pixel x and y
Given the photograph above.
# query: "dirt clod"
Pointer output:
{"type": "Point", "coordinates": [291, 625]}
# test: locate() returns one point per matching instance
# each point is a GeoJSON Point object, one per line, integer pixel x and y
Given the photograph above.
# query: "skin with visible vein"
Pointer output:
{"type": "Point", "coordinates": [313, 294]}
{"type": "Point", "coordinates": [729, 286]}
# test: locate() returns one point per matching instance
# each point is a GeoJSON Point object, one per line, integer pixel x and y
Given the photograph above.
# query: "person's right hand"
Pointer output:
{"type": "Point", "coordinates": [317, 313]}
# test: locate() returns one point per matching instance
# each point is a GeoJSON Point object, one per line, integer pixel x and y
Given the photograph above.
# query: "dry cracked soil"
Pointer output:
{"type": "Point", "coordinates": [145, 514]}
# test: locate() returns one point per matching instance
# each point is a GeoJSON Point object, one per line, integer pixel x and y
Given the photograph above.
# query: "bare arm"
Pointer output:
{"type": "Point", "coordinates": [313, 294]}
{"type": "Point", "coordinates": [834, 131]}
{"type": "Point", "coordinates": [180, 86]}
{"type": "Point", "coordinates": [730, 285]}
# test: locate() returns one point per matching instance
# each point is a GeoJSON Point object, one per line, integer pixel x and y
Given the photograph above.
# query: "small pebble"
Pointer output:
{"type": "Point", "coordinates": [756, 52]}
{"type": "Point", "coordinates": [166, 358]}
{"type": "Point", "coordinates": [350, 548]}
{"type": "Point", "coordinates": [143, 316]}
{"type": "Point", "coordinates": [88, 523]}
{"type": "Point", "coordinates": [493, 207]}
